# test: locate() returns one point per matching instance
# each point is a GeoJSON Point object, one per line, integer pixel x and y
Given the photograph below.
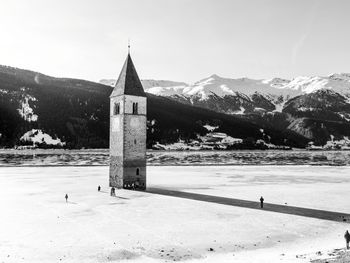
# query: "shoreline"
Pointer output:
{"type": "Point", "coordinates": [106, 150]}
{"type": "Point", "coordinates": [178, 158]}
{"type": "Point", "coordinates": [176, 165]}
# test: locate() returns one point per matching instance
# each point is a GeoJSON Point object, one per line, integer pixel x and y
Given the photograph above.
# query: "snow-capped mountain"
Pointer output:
{"type": "Point", "coordinates": [314, 107]}
{"type": "Point", "coordinates": [244, 95]}
{"type": "Point", "coordinates": [230, 87]}
{"type": "Point", "coordinates": [339, 83]}
{"type": "Point", "coordinates": [220, 86]}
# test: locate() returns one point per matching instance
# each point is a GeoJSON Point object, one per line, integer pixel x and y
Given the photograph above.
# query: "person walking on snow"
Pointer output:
{"type": "Point", "coordinates": [347, 238]}
{"type": "Point", "coordinates": [99, 188]}
{"type": "Point", "coordinates": [261, 202]}
{"type": "Point", "coordinates": [66, 198]}
{"type": "Point", "coordinates": [112, 191]}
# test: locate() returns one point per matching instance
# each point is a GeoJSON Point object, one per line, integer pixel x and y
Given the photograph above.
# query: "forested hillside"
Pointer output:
{"type": "Point", "coordinates": [76, 113]}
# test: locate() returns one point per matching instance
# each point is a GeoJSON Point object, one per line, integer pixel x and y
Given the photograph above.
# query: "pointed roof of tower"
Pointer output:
{"type": "Point", "coordinates": [128, 82]}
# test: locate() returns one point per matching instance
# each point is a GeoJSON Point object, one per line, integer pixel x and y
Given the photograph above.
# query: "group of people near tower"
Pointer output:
{"type": "Point", "coordinates": [133, 186]}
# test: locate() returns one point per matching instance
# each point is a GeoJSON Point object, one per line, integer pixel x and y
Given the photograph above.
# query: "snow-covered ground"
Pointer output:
{"type": "Point", "coordinates": [37, 136]}
{"type": "Point", "coordinates": [25, 110]}
{"type": "Point", "coordinates": [37, 225]}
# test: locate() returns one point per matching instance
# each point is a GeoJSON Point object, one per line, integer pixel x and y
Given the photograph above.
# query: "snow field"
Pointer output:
{"type": "Point", "coordinates": [37, 225]}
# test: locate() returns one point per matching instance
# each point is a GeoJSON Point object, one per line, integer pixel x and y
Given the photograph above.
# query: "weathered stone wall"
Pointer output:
{"type": "Point", "coordinates": [116, 172]}
{"type": "Point", "coordinates": [116, 141]}
{"type": "Point", "coordinates": [134, 137]}
{"type": "Point", "coordinates": [117, 99]}
{"type": "Point", "coordinates": [142, 104]}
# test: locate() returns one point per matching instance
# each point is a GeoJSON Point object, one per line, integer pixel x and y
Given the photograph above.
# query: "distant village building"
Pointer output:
{"type": "Point", "coordinates": [128, 118]}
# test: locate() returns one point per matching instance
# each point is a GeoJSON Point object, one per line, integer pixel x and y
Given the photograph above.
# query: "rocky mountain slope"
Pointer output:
{"type": "Point", "coordinates": [315, 107]}
{"type": "Point", "coordinates": [44, 111]}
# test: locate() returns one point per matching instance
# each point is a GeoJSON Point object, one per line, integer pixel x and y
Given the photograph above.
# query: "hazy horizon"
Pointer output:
{"type": "Point", "coordinates": [183, 40]}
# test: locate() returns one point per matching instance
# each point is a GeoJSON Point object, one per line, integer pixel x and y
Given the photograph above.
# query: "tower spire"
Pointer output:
{"type": "Point", "coordinates": [129, 46]}
{"type": "Point", "coordinates": [128, 82]}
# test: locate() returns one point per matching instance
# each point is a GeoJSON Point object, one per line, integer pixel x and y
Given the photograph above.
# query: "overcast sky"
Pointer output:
{"type": "Point", "coordinates": [184, 40]}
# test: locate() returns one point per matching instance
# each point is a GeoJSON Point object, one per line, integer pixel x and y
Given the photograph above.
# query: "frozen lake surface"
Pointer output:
{"type": "Point", "coordinates": [37, 225]}
{"type": "Point", "coordinates": [165, 158]}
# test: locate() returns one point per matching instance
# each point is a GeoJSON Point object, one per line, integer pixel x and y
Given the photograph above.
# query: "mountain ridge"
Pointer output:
{"type": "Point", "coordinates": [39, 110]}
{"type": "Point", "coordinates": [315, 107]}
{"type": "Point", "coordinates": [75, 113]}
{"type": "Point", "coordinates": [339, 82]}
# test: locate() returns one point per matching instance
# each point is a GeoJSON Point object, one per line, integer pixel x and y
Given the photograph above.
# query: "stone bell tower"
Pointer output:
{"type": "Point", "coordinates": [127, 139]}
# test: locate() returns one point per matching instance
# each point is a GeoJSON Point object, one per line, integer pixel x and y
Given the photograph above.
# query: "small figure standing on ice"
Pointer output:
{"type": "Point", "coordinates": [261, 202]}
{"type": "Point", "coordinates": [99, 188]}
{"type": "Point", "coordinates": [112, 191]}
{"type": "Point", "coordinates": [66, 198]}
{"type": "Point", "coordinates": [347, 238]}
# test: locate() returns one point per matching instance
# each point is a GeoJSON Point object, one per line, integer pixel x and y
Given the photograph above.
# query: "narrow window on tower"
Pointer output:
{"type": "Point", "coordinates": [134, 108]}
{"type": "Point", "coordinates": [137, 171]}
{"type": "Point", "coordinates": [116, 108]}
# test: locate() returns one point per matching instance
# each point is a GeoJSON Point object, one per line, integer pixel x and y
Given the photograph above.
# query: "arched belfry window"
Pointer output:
{"type": "Point", "coordinates": [116, 108]}
{"type": "Point", "coordinates": [137, 171]}
{"type": "Point", "coordinates": [134, 107]}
